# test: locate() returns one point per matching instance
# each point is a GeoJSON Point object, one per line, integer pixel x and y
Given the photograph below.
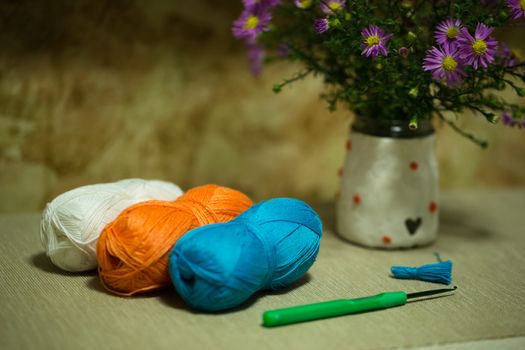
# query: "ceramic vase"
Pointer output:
{"type": "Point", "coordinates": [389, 185]}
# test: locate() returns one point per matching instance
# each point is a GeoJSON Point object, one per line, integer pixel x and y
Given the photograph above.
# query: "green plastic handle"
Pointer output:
{"type": "Point", "coordinates": [332, 308]}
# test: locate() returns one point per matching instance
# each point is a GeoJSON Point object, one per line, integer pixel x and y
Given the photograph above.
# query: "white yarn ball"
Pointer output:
{"type": "Point", "coordinates": [73, 221]}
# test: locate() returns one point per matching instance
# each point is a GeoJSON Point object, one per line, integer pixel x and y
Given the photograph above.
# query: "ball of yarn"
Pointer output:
{"type": "Point", "coordinates": [133, 250]}
{"type": "Point", "coordinates": [270, 246]}
{"type": "Point", "coordinates": [73, 221]}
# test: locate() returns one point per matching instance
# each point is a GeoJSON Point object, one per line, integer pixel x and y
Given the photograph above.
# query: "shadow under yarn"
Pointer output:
{"type": "Point", "coordinates": [167, 295]}
{"type": "Point", "coordinates": [42, 262]}
{"type": "Point", "coordinates": [93, 284]}
{"type": "Point", "coordinates": [270, 246]}
{"type": "Point", "coordinates": [305, 279]}
{"type": "Point", "coordinates": [172, 299]}
{"type": "Point", "coordinates": [253, 298]}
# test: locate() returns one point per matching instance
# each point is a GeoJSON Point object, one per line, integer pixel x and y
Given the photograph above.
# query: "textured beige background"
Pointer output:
{"type": "Point", "coordinates": [94, 91]}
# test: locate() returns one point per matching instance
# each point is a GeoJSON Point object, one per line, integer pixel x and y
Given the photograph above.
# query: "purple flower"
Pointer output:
{"type": "Point", "coordinates": [251, 22]}
{"type": "Point", "coordinates": [517, 8]}
{"type": "Point", "coordinates": [321, 25]}
{"type": "Point", "coordinates": [404, 52]}
{"type": "Point", "coordinates": [478, 49]}
{"type": "Point", "coordinates": [488, 3]}
{"type": "Point", "coordinates": [507, 57]}
{"type": "Point", "coordinates": [303, 4]}
{"type": "Point", "coordinates": [256, 56]}
{"type": "Point", "coordinates": [509, 120]}
{"type": "Point", "coordinates": [284, 50]}
{"type": "Point", "coordinates": [447, 31]}
{"type": "Point", "coordinates": [445, 64]}
{"type": "Point", "coordinates": [263, 3]}
{"type": "Point", "coordinates": [332, 6]}
{"type": "Point", "coordinates": [374, 41]}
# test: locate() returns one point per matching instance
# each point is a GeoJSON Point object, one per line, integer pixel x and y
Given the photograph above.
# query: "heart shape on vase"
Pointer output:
{"type": "Point", "coordinates": [413, 225]}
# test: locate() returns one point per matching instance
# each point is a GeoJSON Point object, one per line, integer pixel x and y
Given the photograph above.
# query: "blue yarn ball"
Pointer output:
{"type": "Point", "coordinates": [269, 246]}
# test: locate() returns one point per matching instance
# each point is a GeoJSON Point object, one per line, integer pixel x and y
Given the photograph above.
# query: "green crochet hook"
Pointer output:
{"type": "Point", "coordinates": [341, 307]}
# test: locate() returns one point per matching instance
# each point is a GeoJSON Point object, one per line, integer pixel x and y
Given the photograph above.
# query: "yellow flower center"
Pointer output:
{"type": "Point", "coordinates": [479, 47]}
{"type": "Point", "coordinates": [522, 4]}
{"type": "Point", "coordinates": [449, 64]}
{"type": "Point", "coordinates": [373, 40]}
{"type": "Point", "coordinates": [334, 5]}
{"type": "Point", "coordinates": [251, 22]}
{"type": "Point", "coordinates": [304, 4]}
{"type": "Point", "coordinates": [452, 32]}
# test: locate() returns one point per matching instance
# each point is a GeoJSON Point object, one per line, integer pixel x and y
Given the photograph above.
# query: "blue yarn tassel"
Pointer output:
{"type": "Point", "coordinates": [438, 273]}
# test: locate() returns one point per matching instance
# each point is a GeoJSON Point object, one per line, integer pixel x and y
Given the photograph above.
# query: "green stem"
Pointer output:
{"type": "Point", "coordinates": [481, 143]}
{"type": "Point", "coordinates": [298, 76]}
{"type": "Point", "coordinates": [516, 88]}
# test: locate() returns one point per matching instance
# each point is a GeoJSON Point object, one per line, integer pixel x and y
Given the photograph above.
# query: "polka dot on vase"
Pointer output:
{"type": "Point", "coordinates": [387, 239]}
{"type": "Point", "coordinates": [349, 145]}
{"type": "Point", "coordinates": [357, 199]}
{"type": "Point", "coordinates": [413, 166]}
{"type": "Point", "coordinates": [340, 172]}
{"type": "Point", "coordinates": [432, 207]}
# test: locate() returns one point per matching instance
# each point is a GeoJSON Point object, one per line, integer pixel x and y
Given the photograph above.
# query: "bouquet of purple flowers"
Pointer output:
{"type": "Point", "coordinates": [395, 59]}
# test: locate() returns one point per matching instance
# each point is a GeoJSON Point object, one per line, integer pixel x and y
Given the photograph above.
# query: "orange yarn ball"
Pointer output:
{"type": "Point", "coordinates": [133, 250]}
